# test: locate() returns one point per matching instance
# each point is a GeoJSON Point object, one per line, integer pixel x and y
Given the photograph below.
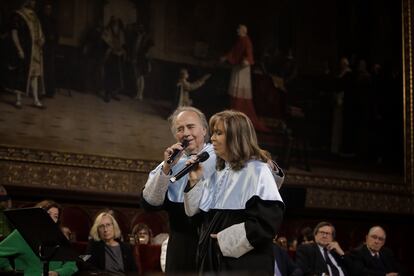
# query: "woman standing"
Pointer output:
{"type": "Point", "coordinates": [241, 202]}
{"type": "Point", "coordinates": [107, 252]}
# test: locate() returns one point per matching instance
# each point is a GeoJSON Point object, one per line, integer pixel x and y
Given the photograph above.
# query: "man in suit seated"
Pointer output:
{"type": "Point", "coordinates": [323, 256]}
{"type": "Point", "coordinates": [372, 258]}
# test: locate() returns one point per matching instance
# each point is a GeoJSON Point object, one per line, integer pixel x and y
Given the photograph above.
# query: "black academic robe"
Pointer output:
{"type": "Point", "coordinates": [183, 237]}
{"type": "Point", "coordinates": [364, 263]}
{"type": "Point", "coordinates": [18, 68]}
{"type": "Point", "coordinates": [262, 219]}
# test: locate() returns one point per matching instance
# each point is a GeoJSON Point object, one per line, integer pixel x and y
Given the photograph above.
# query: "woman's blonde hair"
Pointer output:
{"type": "Point", "coordinates": [241, 139]}
{"type": "Point", "coordinates": [94, 233]}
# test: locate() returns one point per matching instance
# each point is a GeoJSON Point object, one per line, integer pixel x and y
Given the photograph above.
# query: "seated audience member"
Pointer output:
{"type": "Point", "coordinates": [5, 203]}
{"type": "Point", "coordinates": [142, 234]}
{"type": "Point", "coordinates": [147, 251]}
{"type": "Point", "coordinates": [282, 242]}
{"type": "Point", "coordinates": [306, 235]}
{"type": "Point", "coordinates": [323, 256]}
{"type": "Point", "coordinates": [284, 266]}
{"type": "Point", "coordinates": [372, 258]}
{"type": "Point", "coordinates": [107, 252]}
{"type": "Point", "coordinates": [292, 246]}
{"type": "Point", "coordinates": [14, 246]}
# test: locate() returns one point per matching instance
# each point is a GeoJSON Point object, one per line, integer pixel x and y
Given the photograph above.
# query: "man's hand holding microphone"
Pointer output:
{"type": "Point", "coordinates": [172, 155]}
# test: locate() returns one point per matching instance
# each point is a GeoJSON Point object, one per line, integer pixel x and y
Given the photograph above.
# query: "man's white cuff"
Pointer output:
{"type": "Point", "coordinates": [155, 189]}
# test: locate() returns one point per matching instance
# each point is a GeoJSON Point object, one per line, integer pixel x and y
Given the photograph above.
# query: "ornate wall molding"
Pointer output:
{"type": "Point", "coordinates": [359, 201]}
{"type": "Point", "coordinates": [75, 159]}
{"type": "Point", "coordinates": [109, 174]}
{"type": "Point", "coordinates": [115, 179]}
{"type": "Point", "coordinates": [346, 184]}
{"type": "Point", "coordinates": [71, 178]}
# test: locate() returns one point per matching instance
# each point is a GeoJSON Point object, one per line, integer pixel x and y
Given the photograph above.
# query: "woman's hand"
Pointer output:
{"type": "Point", "coordinates": [195, 175]}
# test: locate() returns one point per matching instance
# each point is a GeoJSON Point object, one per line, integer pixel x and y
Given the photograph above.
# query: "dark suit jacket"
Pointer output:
{"type": "Point", "coordinates": [364, 263]}
{"type": "Point", "coordinates": [310, 260]}
{"type": "Point", "coordinates": [97, 251]}
{"type": "Point", "coordinates": [286, 266]}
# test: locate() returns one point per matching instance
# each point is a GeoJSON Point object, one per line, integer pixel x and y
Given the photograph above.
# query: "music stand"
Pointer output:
{"type": "Point", "coordinates": [42, 234]}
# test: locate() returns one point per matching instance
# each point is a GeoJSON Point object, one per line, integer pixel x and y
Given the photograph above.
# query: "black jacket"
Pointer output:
{"type": "Point", "coordinates": [310, 260]}
{"type": "Point", "coordinates": [97, 251]}
{"type": "Point", "coordinates": [365, 264]}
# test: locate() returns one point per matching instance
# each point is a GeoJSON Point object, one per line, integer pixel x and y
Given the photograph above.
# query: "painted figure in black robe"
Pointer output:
{"type": "Point", "coordinates": [25, 64]}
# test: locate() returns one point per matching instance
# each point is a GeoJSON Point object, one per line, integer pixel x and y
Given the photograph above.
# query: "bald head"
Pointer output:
{"type": "Point", "coordinates": [375, 239]}
{"type": "Point", "coordinates": [376, 229]}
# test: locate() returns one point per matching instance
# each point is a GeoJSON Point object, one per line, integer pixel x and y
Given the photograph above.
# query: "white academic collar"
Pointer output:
{"type": "Point", "coordinates": [373, 254]}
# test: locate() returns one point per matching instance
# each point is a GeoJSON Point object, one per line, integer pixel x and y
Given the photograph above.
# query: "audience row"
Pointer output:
{"type": "Point", "coordinates": [105, 251]}
{"type": "Point", "coordinates": [317, 252]}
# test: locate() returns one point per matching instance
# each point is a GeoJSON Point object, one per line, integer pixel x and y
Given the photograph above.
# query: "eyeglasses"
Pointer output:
{"type": "Point", "coordinates": [105, 226]}
{"type": "Point", "coordinates": [375, 237]}
{"type": "Point", "coordinates": [325, 233]}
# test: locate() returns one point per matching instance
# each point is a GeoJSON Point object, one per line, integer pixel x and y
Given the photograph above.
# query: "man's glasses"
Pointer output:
{"type": "Point", "coordinates": [325, 233]}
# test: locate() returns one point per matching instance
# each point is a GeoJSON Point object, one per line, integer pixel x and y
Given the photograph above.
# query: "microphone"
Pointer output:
{"type": "Point", "coordinates": [200, 158]}
{"type": "Point", "coordinates": [172, 157]}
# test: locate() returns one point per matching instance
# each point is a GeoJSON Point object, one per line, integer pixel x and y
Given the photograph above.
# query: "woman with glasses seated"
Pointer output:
{"type": "Point", "coordinates": [107, 252]}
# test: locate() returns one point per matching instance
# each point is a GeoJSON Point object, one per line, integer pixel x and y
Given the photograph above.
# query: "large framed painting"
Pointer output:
{"type": "Point", "coordinates": [344, 145]}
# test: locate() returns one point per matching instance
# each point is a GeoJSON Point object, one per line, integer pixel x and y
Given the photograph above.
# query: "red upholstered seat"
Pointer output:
{"type": "Point", "coordinates": [79, 246]}
{"type": "Point", "coordinates": [147, 257]}
{"type": "Point", "coordinates": [78, 222]}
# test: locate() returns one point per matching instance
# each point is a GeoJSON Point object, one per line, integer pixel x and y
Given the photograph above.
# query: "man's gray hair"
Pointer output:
{"type": "Point", "coordinates": [173, 117]}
